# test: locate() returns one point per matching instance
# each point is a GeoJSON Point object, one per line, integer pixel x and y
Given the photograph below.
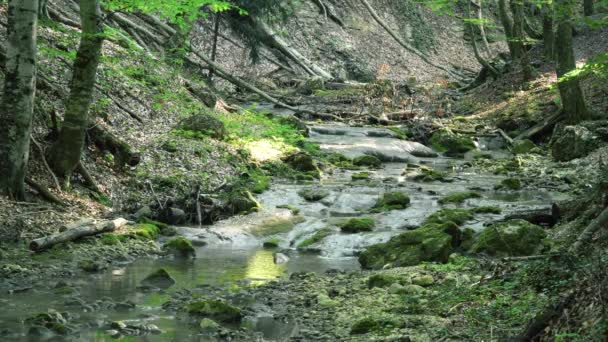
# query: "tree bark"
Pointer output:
{"type": "Point", "coordinates": [43, 11]}
{"type": "Point", "coordinates": [65, 153]}
{"type": "Point", "coordinates": [588, 7]}
{"type": "Point", "coordinates": [519, 37]}
{"type": "Point", "coordinates": [507, 24]}
{"type": "Point", "coordinates": [478, 55]}
{"type": "Point", "coordinates": [106, 141]}
{"type": "Point", "coordinates": [18, 101]}
{"type": "Point", "coordinates": [590, 230]}
{"type": "Point", "coordinates": [76, 231]}
{"type": "Point", "coordinates": [482, 30]}
{"type": "Point", "coordinates": [216, 31]}
{"type": "Point", "coordinates": [572, 96]}
{"type": "Point", "coordinates": [548, 33]}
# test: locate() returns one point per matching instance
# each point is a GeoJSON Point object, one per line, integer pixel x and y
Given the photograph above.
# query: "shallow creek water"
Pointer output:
{"type": "Point", "coordinates": [233, 254]}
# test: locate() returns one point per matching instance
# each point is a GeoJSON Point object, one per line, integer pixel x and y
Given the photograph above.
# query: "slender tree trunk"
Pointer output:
{"type": "Point", "coordinates": [548, 33]}
{"type": "Point", "coordinates": [573, 100]}
{"type": "Point", "coordinates": [519, 38]}
{"type": "Point", "coordinates": [482, 30]}
{"type": "Point", "coordinates": [19, 90]}
{"type": "Point", "coordinates": [43, 11]}
{"type": "Point", "coordinates": [66, 152]}
{"type": "Point", "coordinates": [216, 31]}
{"type": "Point", "coordinates": [507, 24]}
{"type": "Point", "coordinates": [478, 55]}
{"type": "Point", "coordinates": [588, 7]}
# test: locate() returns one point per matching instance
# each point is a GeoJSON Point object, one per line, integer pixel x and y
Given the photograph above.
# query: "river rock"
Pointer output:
{"type": "Point", "coordinates": [180, 247]}
{"type": "Point", "coordinates": [161, 279]}
{"type": "Point", "coordinates": [510, 238]}
{"type": "Point", "coordinates": [571, 142]}
{"type": "Point", "coordinates": [453, 144]}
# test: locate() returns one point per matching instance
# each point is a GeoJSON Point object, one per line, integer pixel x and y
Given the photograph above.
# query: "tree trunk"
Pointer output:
{"type": "Point", "coordinates": [548, 33]}
{"type": "Point", "coordinates": [507, 24]}
{"type": "Point", "coordinates": [65, 153]}
{"type": "Point", "coordinates": [478, 55]}
{"type": "Point", "coordinates": [216, 31]}
{"type": "Point", "coordinates": [519, 38]}
{"type": "Point", "coordinates": [588, 7]}
{"type": "Point", "coordinates": [19, 91]}
{"type": "Point", "coordinates": [43, 11]}
{"type": "Point", "coordinates": [482, 30]}
{"type": "Point", "coordinates": [573, 100]}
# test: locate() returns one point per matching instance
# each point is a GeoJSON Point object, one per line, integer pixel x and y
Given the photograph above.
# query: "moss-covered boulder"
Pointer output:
{"type": "Point", "coordinates": [431, 242]}
{"type": "Point", "coordinates": [205, 124]}
{"type": "Point", "coordinates": [180, 247]}
{"type": "Point", "coordinates": [444, 140]}
{"type": "Point", "coordinates": [369, 161]}
{"type": "Point", "coordinates": [428, 175]}
{"type": "Point", "coordinates": [276, 225]}
{"type": "Point", "coordinates": [317, 237]}
{"type": "Point", "coordinates": [214, 309]}
{"type": "Point", "coordinates": [313, 194]}
{"type": "Point", "coordinates": [145, 231]}
{"type": "Point", "coordinates": [303, 162]}
{"type": "Point", "coordinates": [272, 243]}
{"type": "Point", "coordinates": [160, 278]}
{"type": "Point", "coordinates": [382, 280]}
{"type": "Point", "coordinates": [358, 225]}
{"type": "Point", "coordinates": [522, 146]}
{"type": "Point", "coordinates": [457, 216]}
{"type": "Point", "coordinates": [510, 238]}
{"type": "Point", "coordinates": [363, 175]}
{"type": "Point", "coordinates": [242, 202]}
{"type": "Point", "coordinates": [458, 197]}
{"type": "Point", "coordinates": [395, 200]}
{"type": "Point", "coordinates": [571, 142]}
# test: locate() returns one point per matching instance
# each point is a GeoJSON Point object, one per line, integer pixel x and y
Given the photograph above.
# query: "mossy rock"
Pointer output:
{"type": "Point", "coordinates": [90, 266]}
{"type": "Point", "coordinates": [313, 194]}
{"type": "Point", "coordinates": [370, 324]}
{"type": "Point", "coordinates": [522, 146]}
{"type": "Point", "coordinates": [382, 280]}
{"type": "Point", "coordinates": [170, 146]}
{"type": "Point", "coordinates": [444, 140]}
{"type": "Point", "coordinates": [510, 184]}
{"type": "Point", "coordinates": [358, 225]}
{"type": "Point", "coordinates": [112, 239]}
{"type": "Point", "coordinates": [467, 238]}
{"type": "Point", "coordinates": [145, 231]}
{"type": "Point", "coordinates": [363, 175]}
{"type": "Point", "coordinates": [428, 175]}
{"type": "Point", "coordinates": [294, 210]}
{"type": "Point", "coordinates": [431, 242]}
{"type": "Point", "coordinates": [205, 124]}
{"type": "Point", "coordinates": [302, 162]}
{"type": "Point", "coordinates": [457, 216]}
{"type": "Point", "coordinates": [369, 161]}
{"type": "Point", "coordinates": [487, 210]}
{"type": "Point", "coordinates": [395, 200]}
{"type": "Point", "coordinates": [510, 238]}
{"type": "Point", "coordinates": [318, 236]}
{"type": "Point", "coordinates": [160, 278]}
{"type": "Point", "coordinates": [458, 197]}
{"type": "Point", "coordinates": [243, 202]}
{"type": "Point", "coordinates": [339, 160]}
{"type": "Point", "coordinates": [214, 309]}
{"type": "Point", "coordinates": [165, 229]}
{"type": "Point", "coordinates": [180, 247]}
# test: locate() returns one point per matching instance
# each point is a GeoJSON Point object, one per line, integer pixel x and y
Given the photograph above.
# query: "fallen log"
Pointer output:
{"type": "Point", "coordinates": [107, 141]}
{"type": "Point", "coordinates": [590, 230]}
{"type": "Point", "coordinates": [505, 136]}
{"type": "Point", "coordinates": [542, 217]}
{"type": "Point", "coordinates": [541, 127]}
{"type": "Point", "coordinates": [76, 231]}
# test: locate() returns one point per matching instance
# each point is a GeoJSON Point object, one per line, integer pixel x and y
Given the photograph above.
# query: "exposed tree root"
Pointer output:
{"type": "Point", "coordinates": [587, 234]}
{"type": "Point", "coordinates": [107, 141]}
{"type": "Point", "coordinates": [44, 192]}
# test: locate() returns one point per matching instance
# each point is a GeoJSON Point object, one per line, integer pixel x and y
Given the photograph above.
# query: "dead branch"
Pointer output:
{"type": "Point", "coordinates": [44, 192]}
{"type": "Point", "coordinates": [590, 230]}
{"type": "Point", "coordinates": [76, 231]}
{"type": "Point", "coordinates": [89, 181]}
{"type": "Point", "coordinates": [46, 164]}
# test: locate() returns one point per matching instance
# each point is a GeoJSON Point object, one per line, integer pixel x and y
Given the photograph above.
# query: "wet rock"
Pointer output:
{"type": "Point", "coordinates": [382, 280]}
{"type": "Point", "coordinates": [118, 325]}
{"type": "Point", "coordinates": [161, 279]}
{"type": "Point", "coordinates": [40, 332]}
{"type": "Point", "coordinates": [214, 309]}
{"type": "Point", "coordinates": [272, 243]}
{"type": "Point", "coordinates": [113, 333]}
{"type": "Point", "coordinates": [280, 258]}
{"type": "Point", "coordinates": [302, 162]}
{"type": "Point", "coordinates": [124, 306]}
{"type": "Point", "coordinates": [180, 247]}
{"type": "Point", "coordinates": [509, 184]}
{"type": "Point", "coordinates": [90, 266]}
{"type": "Point", "coordinates": [243, 202]}
{"type": "Point", "coordinates": [173, 216]}
{"type": "Point", "coordinates": [144, 211]}
{"type": "Point", "coordinates": [204, 124]}
{"type": "Point", "coordinates": [392, 201]}
{"type": "Point", "coordinates": [512, 238]}
{"type": "Point", "coordinates": [313, 194]}
{"type": "Point", "coordinates": [571, 142]}
{"type": "Point", "coordinates": [444, 140]}
{"type": "Point", "coordinates": [363, 175]}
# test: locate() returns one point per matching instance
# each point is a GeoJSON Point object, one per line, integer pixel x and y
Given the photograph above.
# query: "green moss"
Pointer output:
{"type": "Point", "coordinates": [294, 210]}
{"type": "Point", "coordinates": [313, 194]}
{"type": "Point", "coordinates": [339, 160]}
{"type": "Point", "coordinates": [276, 225]}
{"type": "Point", "coordinates": [510, 184]}
{"type": "Point", "coordinates": [302, 162]}
{"type": "Point", "coordinates": [89, 266]}
{"type": "Point", "coordinates": [272, 243]}
{"type": "Point", "coordinates": [444, 140]}
{"type": "Point", "coordinates": [111, 239]}
{"type": "Point", "coordinates": [358, 224]}
{"type": "Point", "coordinates": [243, 202]}
{"type": "Point", "coordinates": [522, 146]}
{"type": "Point", "coordinates": [363, 175]}
{"type": "Point", "coordinates": [260, 183]}
{"type": "Point", "coordinates": [316, 237]}
{"type": "Point", "coordinates": [487, 210]}
{"type": "Point", "coordinates": [369, 161]}
{"type": "Point", "coordinates": [392, 201]}
{"type": "Point", "coordinates": [370, 324]}
{"type": "Point", "coordinates": [401, 134]}
{"type": "Point", "coordinates": [513, 238]}
{"type": "Point", "coordinates": [382, 280]}
{"type": "Point", "coordinates": [427, 175]}
{"type": "Point", "coordinates": [180, 247]}
{"type": "Point", "coordinates": [214, 309]}
{"type": "Point", "coordinates": [170, 146]}
{"type": "Point", "coordinates": [205, 124]}
{"type": "Point", "coordinates": [145, 231]}
{"type": "Point", "coordinates": [458, 197]}
{"type": "Point", "coordinates": [457, 216]}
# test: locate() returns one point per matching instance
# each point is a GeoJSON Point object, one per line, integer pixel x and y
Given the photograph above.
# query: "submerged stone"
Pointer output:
{"type": "Point", "coordinates": [214, 309]}
{"type": "Point", "coordinates": [510, 238]}
{"type": "Point", "coordinates": [160, 278]}
{"type": "Point", "coordinates": [180, 247]}
{"type": "Point", "coordinates": [313, 194]}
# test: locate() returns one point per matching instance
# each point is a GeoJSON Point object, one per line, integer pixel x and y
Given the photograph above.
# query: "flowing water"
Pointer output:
{"type": "Point", "coordinates": [232, 254]}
